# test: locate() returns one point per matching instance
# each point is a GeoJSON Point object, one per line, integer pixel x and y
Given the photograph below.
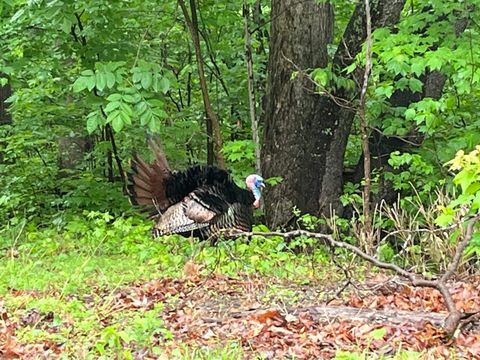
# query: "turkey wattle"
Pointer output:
{"type": "Point", "coordinates": [200, 201]}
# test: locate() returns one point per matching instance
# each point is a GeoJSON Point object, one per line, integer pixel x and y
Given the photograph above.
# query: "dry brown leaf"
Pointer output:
{"type": "Point", "coordinates": [191, 269]}
{"type": "Point", "coordinates": [270, 316]}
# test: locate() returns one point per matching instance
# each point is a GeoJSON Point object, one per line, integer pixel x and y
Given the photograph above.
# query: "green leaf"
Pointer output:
{"type": "Point", "coordinates": [101, 81]}
{"type": "Point", "coordinates": [473, 188]}
{"type": "Point", "coordinates": [155, 103]}
{"type": "Point", "coordinates": [90, 82]}
{"type": "Point", "coordinates": [463, 199]}
{"type": "Point", "coordinates": [410, 114]}
{"type": "Point", "coordinates": [349, 69]}
{"type": "Point", "coordinates": [146, 80]}
{"type": "Point", "coordinates": [146, 117]}
{"type": "Point", "coordinates": [402, 83]}
{"type": "Point", "coordinates": [112, 106]}
{"type": "Point", "coordinates": [126, 118]}
{"type": "Point", "coordinates": [464, 178]}
{"type": "Point", "coordinates": [66, 26]}
{"type": "Point", "coordinates": [17, 15]}
{"type": "Point", "coordinates": [474, 245]}
{"type": "Point", "coordinates": [154, 126]}
{"type": "Point", "coordinates": [117, 123]}
{"type": "Point", "coordinates": [386, 91]}
{"type": "Point", "coordinates": [141, 107]}
{"type": "Point", "coordinates": [164, 85]}
{"type": "Point", "coordinates": [444, 219]}
{"type": "Point", "coordinates": [415, 85]}
{"type": "Point", "coordinates": [320, 76]}
{"type": "Point", "coordinates": [92, 124]}
{"type": "Point", "coordinates": [137, 76]}
{"type": "Point", "coordinates": [378, 334]}
{"type": "Point", "coordinates": [274, 181]}
{"type": "Point", "coordinates": [434, 63]}
{"type": "Point", "coordinates": [114, 97]}
{"type": "Point", "coordinates": [418, 67]}
{"type": "Point", "coordinates": [114, 114]}
{"type": "Point", "coordinates": [160, 113]}
{"type": "Point", "coordinates": [110, 77]}
{"type": "Point", "coordinates": [129, 98]}
{"type": "Point", "coordinates": [127, 109]}
{"type": "Point", "coordinates": [80, 84]}
{"type": "Point", "coordinates": [476, 201]}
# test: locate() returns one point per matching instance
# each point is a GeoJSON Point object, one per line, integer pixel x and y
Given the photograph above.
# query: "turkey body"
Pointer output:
{"type": "Point", "coordinates": [200, 201]}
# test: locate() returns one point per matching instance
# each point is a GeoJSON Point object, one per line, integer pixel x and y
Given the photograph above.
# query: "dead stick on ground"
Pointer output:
{"type": "Point", "coordinates": [454, 317]}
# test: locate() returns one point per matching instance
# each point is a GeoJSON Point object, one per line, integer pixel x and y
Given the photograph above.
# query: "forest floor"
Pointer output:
{"type": "Point", "coordinates": [87, 305]}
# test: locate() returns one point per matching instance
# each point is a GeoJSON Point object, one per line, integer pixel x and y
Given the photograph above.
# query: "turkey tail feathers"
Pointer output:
{"type": "Point", "coordinates": [148, 182]}
{"type": "Point", "coordinates": [161, 163]}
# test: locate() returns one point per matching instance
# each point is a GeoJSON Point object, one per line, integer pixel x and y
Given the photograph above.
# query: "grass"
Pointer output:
{"type": "Point", "coordinates": [72, 272]}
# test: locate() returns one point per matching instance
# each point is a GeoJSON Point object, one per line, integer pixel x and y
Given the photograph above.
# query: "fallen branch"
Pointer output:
{"type": "Point", "coordinates": [331, 313]}
{"type": "Point", "coordinates": [454, 317]}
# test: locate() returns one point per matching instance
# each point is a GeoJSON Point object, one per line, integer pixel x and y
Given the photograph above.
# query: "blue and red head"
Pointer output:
{"type": "Point", "coordinates": [255, 183]}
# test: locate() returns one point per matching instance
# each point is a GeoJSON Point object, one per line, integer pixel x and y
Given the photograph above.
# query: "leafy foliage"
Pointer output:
{"type": "Point", "coordinates": [467, 203]}
{"type": "Point", "coordinates": [79, 67]}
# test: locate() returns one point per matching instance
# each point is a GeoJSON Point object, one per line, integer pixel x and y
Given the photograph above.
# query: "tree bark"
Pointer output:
{"type": "Point", "coordinates": [212, 119]}
{"type": "Point", "coordinates": [71, 153]}
{"type": "Point", "coordinates": [300, 32]}
{"type": "Point", "coordinates": [332, 313]}
{"type": "Point", "coordinates": [5, 93]}
{"type": "Point", "coordinates": [306, 133]}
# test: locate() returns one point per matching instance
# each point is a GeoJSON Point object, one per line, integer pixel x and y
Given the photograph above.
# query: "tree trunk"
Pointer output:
{"type": "Point", "coordinates": [71, 153]}
{"type": "Point", "coordinates": [306, 133]}
{"type": "Point", "coordinates": [5, 93]}
{"type": "Point", "coordinates": [300, 33]}
{"type": "Point", "coordinates": [212, 119]}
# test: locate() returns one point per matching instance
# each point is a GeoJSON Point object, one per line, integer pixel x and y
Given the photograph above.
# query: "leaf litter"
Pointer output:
{"type": "Point", "coordinates": [266, 317]}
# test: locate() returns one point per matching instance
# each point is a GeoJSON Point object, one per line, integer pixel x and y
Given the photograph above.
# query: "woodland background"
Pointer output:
{"type": "Point", "coordinates": [368, 137]}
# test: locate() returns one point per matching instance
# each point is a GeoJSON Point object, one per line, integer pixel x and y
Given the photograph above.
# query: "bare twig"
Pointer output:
{"type": "Point", "coordinates": [460, 249]}
{"type": "Point", "coordinates": [367, 214]}
{"type": "Point", "coordinates": [110, 136]}
{"type": "Point", "coordinates": [139, 47]}
{"type": "Point", "coordinates": [342, 103]}
{"type": "Point", "coordinates": [401, 138]}
{"type": "Point", "coordinates": [347, 274]}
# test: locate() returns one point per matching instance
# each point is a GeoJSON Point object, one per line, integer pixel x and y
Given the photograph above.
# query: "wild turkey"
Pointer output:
{"type": "Point", "coordinates": [200, 201]}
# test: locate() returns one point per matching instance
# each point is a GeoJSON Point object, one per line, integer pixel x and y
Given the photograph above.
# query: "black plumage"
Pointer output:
{"type": "Point", "coordinates": [200, 201]}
